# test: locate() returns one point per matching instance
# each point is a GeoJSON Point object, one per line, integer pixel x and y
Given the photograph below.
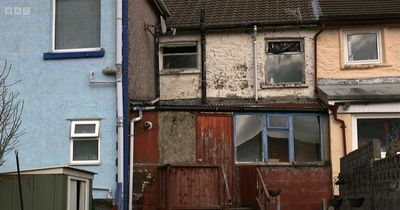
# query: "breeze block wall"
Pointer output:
{"type": "Point", "coordinates": [386, 185]}
{"type": "Point", "coordinates": [355, 173]}
{"type": "Point", "coordinates": [365, 175]}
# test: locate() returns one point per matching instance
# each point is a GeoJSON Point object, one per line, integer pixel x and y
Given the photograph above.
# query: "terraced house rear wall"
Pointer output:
{"type": "Point", "coordinates": [230, 68]}
{"type": "Point", "coordinates": [331, 48]}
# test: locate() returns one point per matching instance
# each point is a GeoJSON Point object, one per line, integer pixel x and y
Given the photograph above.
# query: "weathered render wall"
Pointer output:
{"type": "Point", "coordinates": [180, 84]}
{"type": "Point", "coordinates": [230, 69]}
{"type": "Point", "coordinates": [142, 74]}
{"type": "Point", "coordinates": [331, 59]}
{"type": "Point", "coordinates": [177, 137]}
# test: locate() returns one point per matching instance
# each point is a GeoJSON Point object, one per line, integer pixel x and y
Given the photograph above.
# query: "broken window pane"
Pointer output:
{"type": "Point", "coordinates": [179, 57]}
{"type": "Point", "coordinates": [362, 46]}
{"type": "Point", "coordinates": [285, 62]}
{"type": "Point", "coordinates": [281, 47]}
{"type": "Point", "coordinates": [278, 146]}
{"type": "Point", "coordinates": [249, 138]}
{"type": "Point", "coordinates": [307, 144]}
{"type": "Point", "coordinates": [386, 130]}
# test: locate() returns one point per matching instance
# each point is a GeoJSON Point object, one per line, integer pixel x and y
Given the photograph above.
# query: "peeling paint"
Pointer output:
{"type": "Point", "coordinates": [230, 71]}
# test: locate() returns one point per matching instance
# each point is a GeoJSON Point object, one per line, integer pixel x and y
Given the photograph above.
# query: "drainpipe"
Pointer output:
{"type": "Point", "coordinates": [255, 63]}
{"type": "Point", "coordinates": [132, 139]}
{"type": "Point", "coordinates": [132, 147]}
{"type": "Point", "coordinates": [333, 108]}
{"type": "Point", "coordinates": [203, 57]}
{"type": "Point", "coordinates": [120, 108]}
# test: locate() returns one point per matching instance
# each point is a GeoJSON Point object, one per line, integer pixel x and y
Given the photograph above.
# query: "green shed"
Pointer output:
{"type": "Point", "coordinates": [52, 188]}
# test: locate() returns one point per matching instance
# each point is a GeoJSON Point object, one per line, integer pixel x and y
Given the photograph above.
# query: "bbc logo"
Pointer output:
{"type": "Point", "coordinates": [17, 11]}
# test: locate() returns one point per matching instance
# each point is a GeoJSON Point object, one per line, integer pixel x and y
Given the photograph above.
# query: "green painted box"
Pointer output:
{"type": "Point", "coordinates": [52, 188]}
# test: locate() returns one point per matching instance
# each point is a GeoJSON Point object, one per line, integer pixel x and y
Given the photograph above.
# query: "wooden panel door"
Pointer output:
{"type": "Point", "coordinates": [214, 142]}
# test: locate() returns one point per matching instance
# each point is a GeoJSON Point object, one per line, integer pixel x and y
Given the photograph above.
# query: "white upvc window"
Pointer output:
{"type": "Point", "coordinates": [367, 127]}
{"type": "Point", "coordinates": [78, 194]}
{"type": "Point", "coordinates": [85, 142]}
{"type": "Point", "coordinates": [363, 47]}
{"type": "Point", "coordinates": [76, 25]}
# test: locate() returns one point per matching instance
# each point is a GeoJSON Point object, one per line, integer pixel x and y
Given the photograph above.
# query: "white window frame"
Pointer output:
{"type": "Point", "coordinates": [179, 44]}
{"type": "Point", "coordinates": [367, 116]}
{"type": "Point", "coordinates": [86, 122]}
{"type": "Point", "coordinates": [86, 190]}
{"type": "Point", "coordinates": [89, 137]}
{"type": "Point", "coordinates": [53, 44]}
{"type": "Point", "coordinates": [379, 46]}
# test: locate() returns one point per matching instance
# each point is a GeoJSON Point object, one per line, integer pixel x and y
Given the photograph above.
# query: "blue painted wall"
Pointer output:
{"type": "Point", "coordinates": [55, 91]}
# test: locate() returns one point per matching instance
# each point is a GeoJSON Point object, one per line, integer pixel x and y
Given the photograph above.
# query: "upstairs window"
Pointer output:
{"type": "Point", "coordinates": [179, 56]}
{"type": "Point", "coordinates": [279, 138]}
{"type": "Point", "coordinates": [362, 47]}
{"type": "Point", "coordinates": [76, 25]}
{"type": "Point", "coordinates": [84, 144]}
{"type": "Point", "coordinates": [285, 62]}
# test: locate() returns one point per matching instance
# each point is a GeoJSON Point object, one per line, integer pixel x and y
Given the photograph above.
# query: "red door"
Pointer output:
{"type": "Point", "coordinates": [214, 142]}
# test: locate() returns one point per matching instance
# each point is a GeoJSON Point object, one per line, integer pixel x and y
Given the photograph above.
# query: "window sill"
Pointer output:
{"type": "Point", "coordinates": [179, 71]}
{"type": "Point", "coordinates": [364, 66]}
{"type": "Point", "coordinates": [283, 85]}
{"type": "Point", "coordinates": [71, 55]}
{"type": "Point", "coordinates": [85, 163]}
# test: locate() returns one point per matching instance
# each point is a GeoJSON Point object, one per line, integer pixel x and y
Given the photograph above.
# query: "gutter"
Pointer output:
{"type": "Point", "coordinates": [245, 26]}
{"type": "Point", "coordinates": [332, 108]}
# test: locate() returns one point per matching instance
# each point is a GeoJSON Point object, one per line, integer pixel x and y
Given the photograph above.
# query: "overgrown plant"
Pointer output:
{"type": "Point", "coordinates": [11, 107]}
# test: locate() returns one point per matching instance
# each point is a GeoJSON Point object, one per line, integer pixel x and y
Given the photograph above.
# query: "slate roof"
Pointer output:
{"type": "Point", "coordinates": [359, 9]}
{"type": "Point", "coordinates": [240, 13]}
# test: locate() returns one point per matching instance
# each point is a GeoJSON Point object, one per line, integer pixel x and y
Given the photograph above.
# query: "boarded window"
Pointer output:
{"type": "Point", "coordinates": [77, 24]}
{"type": "Point", "coordinates": [285, 62]}
{"type": "Point", "coordinates": [363, 47]}
{"type": "Point", "coordinates": [179, 56]}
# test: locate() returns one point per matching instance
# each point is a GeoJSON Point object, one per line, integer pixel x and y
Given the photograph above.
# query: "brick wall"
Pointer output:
{"type": "Point", "coordinates": [301, 187]}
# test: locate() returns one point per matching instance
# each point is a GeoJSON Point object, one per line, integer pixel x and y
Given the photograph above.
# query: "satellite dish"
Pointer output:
{"type": "Point", "coordinates": [163, 25]}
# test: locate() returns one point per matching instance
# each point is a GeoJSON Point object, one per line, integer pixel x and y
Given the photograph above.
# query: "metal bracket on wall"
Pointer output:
{"type": "Point", "coordinates": [91, 79]}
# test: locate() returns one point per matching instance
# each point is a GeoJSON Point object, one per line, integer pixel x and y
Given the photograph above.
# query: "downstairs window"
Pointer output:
{"type": "Point", "coordinates": [279, 138]}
